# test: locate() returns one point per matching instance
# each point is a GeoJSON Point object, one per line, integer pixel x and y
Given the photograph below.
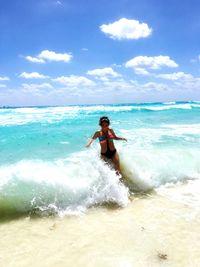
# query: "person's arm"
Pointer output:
{"type": "Point", "coordinates": [92, 139]}
{"type": "Point", "coordinates": [117, 137]}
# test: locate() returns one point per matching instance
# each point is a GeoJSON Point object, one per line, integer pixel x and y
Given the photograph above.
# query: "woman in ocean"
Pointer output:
{"type": "Point", "coordinates": [106, 136]}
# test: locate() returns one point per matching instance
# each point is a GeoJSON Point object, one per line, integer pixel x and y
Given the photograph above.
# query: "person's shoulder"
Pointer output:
{"type": "Point", "coordinates": [96, 135]}
{"type": "Point", "coordinates": [98, 132]}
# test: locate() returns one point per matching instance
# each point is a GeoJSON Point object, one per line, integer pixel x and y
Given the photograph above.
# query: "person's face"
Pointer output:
{"type": "Point", "coordinates": [104, 125]}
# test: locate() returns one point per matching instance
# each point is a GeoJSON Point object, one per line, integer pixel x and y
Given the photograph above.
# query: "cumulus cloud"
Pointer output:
{"type": "Point", "coordinates": [126, 29]}
{"type": "Point", "coordinates": [5, 78]}
{"type": "Point", "coordinates": [53, 56]}
{"type": "Point", "coordinates": [141, 71]}
{"type": "Point", "coordinates": [141, 64]}
{"type": "Point", "coordinates": [47, 55]}
{"type": "Point", "coordinates": [36, 89]}
{"type": "Point", "coordinates": [74, 81]}
{"type": "Point", "coordinates": [103, 74]}
{"type": "Point", "coordinates": [188, 84]}
{"type": "Point", "coordinates": [35, 59]}
{"type": "Point", "coordinates": [123, 86]}
{"type": "Point", "coordinates": [119, 85]}
{"type": "Point", "coordinates": [32, 75]}
{"type": "Point", "coordinates": [153, 86]}
{"type": "Point", "coordinates": [33, 86]}
{"type": "Point", "coordinates": [176, 76]}
{"type": "Point", "coordinates": [185, 81]}
{"type": "Point", "coordinates": [151, 62]}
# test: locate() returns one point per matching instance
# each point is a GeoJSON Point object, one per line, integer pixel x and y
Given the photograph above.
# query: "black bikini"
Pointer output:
{"type": "Point", "coordinates": [109, 153]}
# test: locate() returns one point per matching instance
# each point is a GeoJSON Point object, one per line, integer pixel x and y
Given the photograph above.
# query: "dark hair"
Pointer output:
{"type": "Point", "coordinates": [104, 119]}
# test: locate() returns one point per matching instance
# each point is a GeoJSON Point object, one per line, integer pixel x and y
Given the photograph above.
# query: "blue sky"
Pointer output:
{"type": "Point", "coordinates": [58, 52]}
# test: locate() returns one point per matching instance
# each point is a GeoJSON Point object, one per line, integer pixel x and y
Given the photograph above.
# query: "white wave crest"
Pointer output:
{"type": "Point", "coordinates": [20, 116]}
{"type": "Point", "coordinates": [66, 186]}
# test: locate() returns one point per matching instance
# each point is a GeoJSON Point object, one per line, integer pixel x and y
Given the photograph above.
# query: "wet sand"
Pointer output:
{"type": "Point", "coordinates": [152, 230]}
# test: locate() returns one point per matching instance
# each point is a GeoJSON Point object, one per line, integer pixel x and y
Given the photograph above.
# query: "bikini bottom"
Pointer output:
{"type": "Point", "coordinates": [109, 153]}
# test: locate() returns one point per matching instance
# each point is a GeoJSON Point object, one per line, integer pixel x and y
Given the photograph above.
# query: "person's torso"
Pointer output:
{"type": "Point", "coordinates": [106, 141]}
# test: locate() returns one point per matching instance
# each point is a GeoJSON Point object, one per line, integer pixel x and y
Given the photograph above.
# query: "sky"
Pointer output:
{"type": "Point", "coordinates": [68, 52]}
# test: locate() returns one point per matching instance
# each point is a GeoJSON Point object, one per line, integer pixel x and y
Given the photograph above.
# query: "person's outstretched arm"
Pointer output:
{"type": "Point", "coordinates": [117, 137]}
{"type": "Point", "coordinates": [92, 139]}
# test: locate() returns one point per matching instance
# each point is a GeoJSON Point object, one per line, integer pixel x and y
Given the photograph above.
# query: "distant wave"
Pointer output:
{"type": "Point", "coordinates": [169, 103]}
{"type": "Point", "coordinates": [20, 116]}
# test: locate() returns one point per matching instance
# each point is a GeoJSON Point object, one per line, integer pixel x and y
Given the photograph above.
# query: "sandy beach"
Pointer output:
{"type": "Point", "coordinates": [151, 231]}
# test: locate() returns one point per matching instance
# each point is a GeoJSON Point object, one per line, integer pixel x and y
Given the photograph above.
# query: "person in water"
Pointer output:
{"type": "Point", "coordinates": [106, 136]}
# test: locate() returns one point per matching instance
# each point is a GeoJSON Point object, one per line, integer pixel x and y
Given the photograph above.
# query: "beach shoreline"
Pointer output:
{"type": "Point", "coordinates": [152, 230]}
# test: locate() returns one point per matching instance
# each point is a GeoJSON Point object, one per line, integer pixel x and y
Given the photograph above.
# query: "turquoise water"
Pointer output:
{"type": "Point", "coordinates": [45, 167]}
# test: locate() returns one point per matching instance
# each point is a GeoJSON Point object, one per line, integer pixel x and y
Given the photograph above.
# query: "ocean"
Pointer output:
{"type": "Point", "coordinates": [46, 169]}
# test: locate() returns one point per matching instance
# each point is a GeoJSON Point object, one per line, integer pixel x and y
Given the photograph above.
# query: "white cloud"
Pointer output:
{"type": "Point", "coordinates": [141, 71]}
{"type": "Point", "coordinates": [141, 63]}
{"type": "Point", "coordinates": [74, 81]}
{"type": "Point", "coordinates": [117, 85]}
{"type": "Point", "coordinates": [4, 78]}
{"type": "Point", "coordinates": [32, 87]}
{"type": "Point", "coordinates": [123, 86]}
{"type": "Point", "coordinates": [103, 73]}
{"type": "Point", "coordinates": [84, 49]}
{"type": "Point", "coordinates": [35, 59]}
{"type": "Point", "coordinates": [36, 89]}
{"type": "Point", "coordinates": [47, 55]}
{"type": "Point", "coordinates": [2, 85]}
{"type": "Point", "coordinates": [126, 29]}
{"type": "Point", "coordinates": [188, 84]}
{"type": "Point", "coordinates": [32, 75]}
{"type": "Point", "coordinates": [151, 62]}
{"type": "Point", "coordinates": [116, 65]}
{"type": "Point", "coordinates": [152, 86]}
{"type": "Point", "coordinates": [176, 76]}
{"type": "Point", "coordinates": [53, 56]}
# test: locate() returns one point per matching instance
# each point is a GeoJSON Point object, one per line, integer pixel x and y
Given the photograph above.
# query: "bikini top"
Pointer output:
{"type": "Point", "coordinates": [104, 138]}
